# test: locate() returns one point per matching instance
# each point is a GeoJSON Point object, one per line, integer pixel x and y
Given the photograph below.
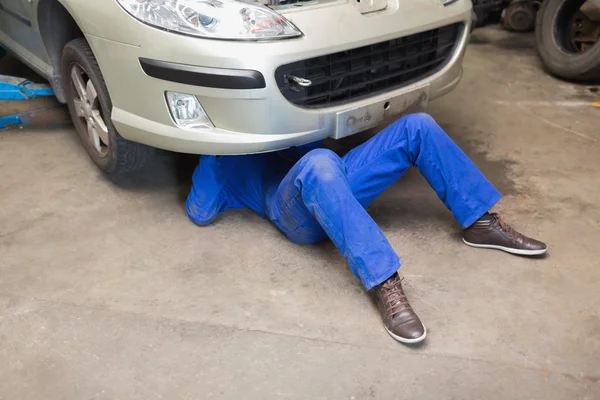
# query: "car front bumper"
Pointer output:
{"type": "Point", "coordinates": [260, 119]}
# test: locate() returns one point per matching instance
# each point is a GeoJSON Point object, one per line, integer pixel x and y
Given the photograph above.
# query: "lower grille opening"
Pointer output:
{"type": "Point", "coordinates": [350, 75]}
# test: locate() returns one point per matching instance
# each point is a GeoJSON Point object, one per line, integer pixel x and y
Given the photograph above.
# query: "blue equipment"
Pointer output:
{"type": "Point", "coordinates": [13, 88]}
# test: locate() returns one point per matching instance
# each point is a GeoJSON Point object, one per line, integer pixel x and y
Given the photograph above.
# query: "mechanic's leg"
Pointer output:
{"type": "Point", "coordinates": [314, 201]}
{"type": "Point", "coordinates": [417, 140]}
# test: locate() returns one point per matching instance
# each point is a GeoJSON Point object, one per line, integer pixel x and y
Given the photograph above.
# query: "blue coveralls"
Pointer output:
{"type": "Point", "coordinates": [322, 195]}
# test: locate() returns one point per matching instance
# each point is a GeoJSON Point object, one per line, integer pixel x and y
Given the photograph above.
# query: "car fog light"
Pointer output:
{"type": "Point", "coordinates": [187, 111]}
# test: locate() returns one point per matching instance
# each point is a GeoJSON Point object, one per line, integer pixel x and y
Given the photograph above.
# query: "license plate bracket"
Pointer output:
{"type": "Point", "coordinates": [359, 119]}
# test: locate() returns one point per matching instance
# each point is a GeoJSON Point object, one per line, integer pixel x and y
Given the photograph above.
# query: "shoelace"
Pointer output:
{"type": "Point", "coordinates": [506, 228]}
{"type": "Point", "coordinates": [394, 297]}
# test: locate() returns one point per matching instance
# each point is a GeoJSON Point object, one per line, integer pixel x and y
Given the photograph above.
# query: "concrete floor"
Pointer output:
{"type": "Point", "coordinates": [107, 291]}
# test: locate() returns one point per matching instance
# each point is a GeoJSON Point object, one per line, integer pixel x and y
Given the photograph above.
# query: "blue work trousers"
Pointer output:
{"type": "Point", "coordinates": [323, 195]}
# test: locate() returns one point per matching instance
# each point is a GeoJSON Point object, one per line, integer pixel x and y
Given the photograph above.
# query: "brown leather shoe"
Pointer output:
{"type": "Point", "coordinates": [399, 319]}
{"type": "Point", "coordinates": [497, 234]}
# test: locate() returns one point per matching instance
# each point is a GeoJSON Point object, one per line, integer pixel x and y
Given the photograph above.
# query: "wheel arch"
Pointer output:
{"type": "Point", "coordinates": [57, 28]}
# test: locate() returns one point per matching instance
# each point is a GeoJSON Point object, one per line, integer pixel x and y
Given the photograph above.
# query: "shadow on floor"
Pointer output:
{"type": "Point", "coordinates": [504, 40]}
{"type": "Point", "coordinates": [166, 171]}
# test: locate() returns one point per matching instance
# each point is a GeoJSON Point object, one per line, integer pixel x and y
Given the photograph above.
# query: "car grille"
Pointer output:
{"type": "Point", "coordinates": [353, 74]}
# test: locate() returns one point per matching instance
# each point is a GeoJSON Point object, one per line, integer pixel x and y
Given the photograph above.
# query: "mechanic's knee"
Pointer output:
{"type": "Point", "coordinates": [411, 125]}
{"type": "Point", "coordinates": [418, 120]}
{"type": "Point", "coordinates": [323, 164]}
{"type": "Point", "coordinates": [421, 126]}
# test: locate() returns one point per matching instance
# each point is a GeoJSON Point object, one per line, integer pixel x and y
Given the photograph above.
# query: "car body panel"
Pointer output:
{"type": "Point", "coordinates": [252, 120]}
{"type": "Point", "coordinates": [19, 32]}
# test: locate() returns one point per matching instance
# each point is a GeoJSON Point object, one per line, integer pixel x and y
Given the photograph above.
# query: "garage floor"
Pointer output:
{"type": "Point", "coordinates": [107, 291]}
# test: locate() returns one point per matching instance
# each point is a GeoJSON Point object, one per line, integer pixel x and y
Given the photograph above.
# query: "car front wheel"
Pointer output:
{"type": "Point", "coordinates": [90, 108]}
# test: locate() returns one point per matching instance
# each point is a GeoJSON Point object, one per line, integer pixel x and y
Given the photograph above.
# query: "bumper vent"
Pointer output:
{"type": "Point", "coordinates": [350, 75]}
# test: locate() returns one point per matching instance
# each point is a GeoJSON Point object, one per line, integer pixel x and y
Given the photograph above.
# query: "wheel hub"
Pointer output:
{"type": "Point", "coordinates": [520, 17]}
{"type": "Point", "coordinates": [88, 109]}
{"type": "Point", "coordinates": [585, 31]}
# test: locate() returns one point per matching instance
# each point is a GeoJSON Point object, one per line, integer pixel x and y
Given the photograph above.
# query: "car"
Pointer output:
{"type": "Point", "coordinates": [231, 76]}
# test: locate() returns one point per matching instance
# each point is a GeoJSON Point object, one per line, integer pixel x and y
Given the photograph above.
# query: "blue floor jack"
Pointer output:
{"type": "Point", "coordinates": [13, 88]}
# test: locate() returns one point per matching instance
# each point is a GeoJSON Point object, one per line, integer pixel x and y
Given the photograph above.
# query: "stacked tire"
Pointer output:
{"type": "Point", "coordinates": [560, 52]}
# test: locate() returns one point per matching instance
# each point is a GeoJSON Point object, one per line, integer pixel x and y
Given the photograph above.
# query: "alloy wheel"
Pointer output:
{"type": "Point", "coordinates": [87, 106]}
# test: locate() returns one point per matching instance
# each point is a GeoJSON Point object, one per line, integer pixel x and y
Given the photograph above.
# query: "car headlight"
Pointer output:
{"type": "Point", "coordinates": [215, 19]}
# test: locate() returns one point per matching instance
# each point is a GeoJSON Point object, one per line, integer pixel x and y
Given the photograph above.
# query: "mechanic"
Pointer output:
{"type": "Point", "coordinates": [318, 195]}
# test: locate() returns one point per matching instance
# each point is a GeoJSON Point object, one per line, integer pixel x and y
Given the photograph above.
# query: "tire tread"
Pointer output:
{"type": "Point", "coordinates": [577, 67]}
{"type": "Point", "coordinates": [129, 156]}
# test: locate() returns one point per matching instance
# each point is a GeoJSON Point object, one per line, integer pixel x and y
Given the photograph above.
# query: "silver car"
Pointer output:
{"type": "Point", "coordinates": [234, 76]}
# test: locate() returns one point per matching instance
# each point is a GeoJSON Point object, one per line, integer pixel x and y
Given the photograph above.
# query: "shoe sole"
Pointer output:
{"type": "Point", "coordinates": [408, 341]}
{"type": "Point", "coordinates": [507, 249]}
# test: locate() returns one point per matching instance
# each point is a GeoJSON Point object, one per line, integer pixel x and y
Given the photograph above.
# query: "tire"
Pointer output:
{"type": "Point", "coordinates": [556, 47]}
{"type": "Point", "coordinates": [109, 151]}
{"type": "Point", "coordinates": [520, 17]}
